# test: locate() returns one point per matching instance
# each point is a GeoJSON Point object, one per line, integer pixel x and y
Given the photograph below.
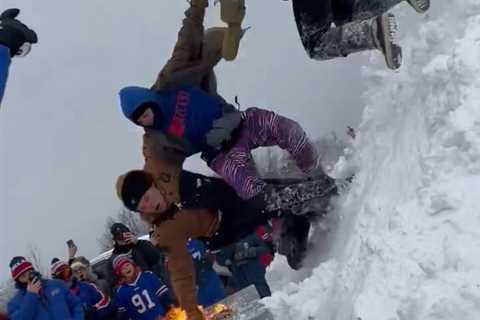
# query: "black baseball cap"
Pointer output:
{"type": "Point", "coordinates": [118, 229]}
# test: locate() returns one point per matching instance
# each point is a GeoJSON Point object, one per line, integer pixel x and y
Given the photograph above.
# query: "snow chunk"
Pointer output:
{"type": "Point", "coordinates": [408, 240]}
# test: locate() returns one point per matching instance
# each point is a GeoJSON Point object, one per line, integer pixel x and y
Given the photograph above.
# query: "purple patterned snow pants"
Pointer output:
{"type": "Point", "coordinates": [262, 128]}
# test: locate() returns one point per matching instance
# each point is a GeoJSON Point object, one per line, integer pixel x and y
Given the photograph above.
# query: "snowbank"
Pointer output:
{"type": "Point", "coordinates": [408, 242]}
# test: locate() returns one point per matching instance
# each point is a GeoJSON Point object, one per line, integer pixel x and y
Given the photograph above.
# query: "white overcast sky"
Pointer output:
{"type": "Point", "coordinates": [63, 139]}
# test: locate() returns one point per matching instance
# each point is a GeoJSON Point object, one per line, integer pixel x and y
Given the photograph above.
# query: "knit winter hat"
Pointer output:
{"type": "Point", "coordinates": [58, 266]}
{"type": "Point", "coordinates": [118, 263]}
{"type": "Point", "coordinates": [18, 266]}
{"type": "Point", "coordinates": [133, 186]}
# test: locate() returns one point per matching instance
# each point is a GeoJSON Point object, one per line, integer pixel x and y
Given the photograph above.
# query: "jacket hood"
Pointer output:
{"type": "Point", "coordinates": [131, 98]}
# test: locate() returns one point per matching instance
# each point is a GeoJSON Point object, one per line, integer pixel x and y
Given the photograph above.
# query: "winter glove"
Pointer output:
{"type": "Point", "coordinates": [14, 34]}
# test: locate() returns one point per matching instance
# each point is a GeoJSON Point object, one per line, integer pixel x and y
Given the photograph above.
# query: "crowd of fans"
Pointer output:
{"type": "Point", "coordinates": [131, 281]}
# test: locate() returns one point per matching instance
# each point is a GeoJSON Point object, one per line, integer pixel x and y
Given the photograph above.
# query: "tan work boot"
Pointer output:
{"type": "Point", "coordinates": [213, 44]}
{"type": "Point", "coordinates": [232, 12]}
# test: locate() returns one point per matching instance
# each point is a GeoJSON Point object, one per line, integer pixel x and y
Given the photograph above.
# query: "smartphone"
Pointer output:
{"type": "Point", "coordinates": [33, 277]}
{"type": "Point", "coordinates": [70, 243]}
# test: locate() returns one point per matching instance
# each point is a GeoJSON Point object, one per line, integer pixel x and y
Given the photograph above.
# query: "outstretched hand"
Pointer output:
{"type": "Point", "coordinates": [34, 286]}
{"type": "Point", "coordinates": [14, 34]}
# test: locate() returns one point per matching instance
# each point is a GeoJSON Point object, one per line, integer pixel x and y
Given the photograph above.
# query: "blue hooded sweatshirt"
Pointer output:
{"type": "Point", "coordinates": [54, 302]}
{"type": "Point", "coordinates": [187, 114]}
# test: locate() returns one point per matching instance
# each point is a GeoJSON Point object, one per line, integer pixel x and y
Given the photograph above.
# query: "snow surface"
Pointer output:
{"type": "Point", "coordinates": [406, 244]}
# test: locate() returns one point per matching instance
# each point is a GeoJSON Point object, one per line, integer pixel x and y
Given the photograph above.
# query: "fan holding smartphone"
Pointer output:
{"type": "Point", "coordinates": [142, 252]}
{"type": "Point", "coordinates": [42, 297]}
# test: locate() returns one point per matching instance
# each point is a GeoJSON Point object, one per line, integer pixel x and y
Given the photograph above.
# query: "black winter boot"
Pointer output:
{"type": "Point", "coordinates": [296, 197]}
{"type": "Point", "coordinates": [14, 34]}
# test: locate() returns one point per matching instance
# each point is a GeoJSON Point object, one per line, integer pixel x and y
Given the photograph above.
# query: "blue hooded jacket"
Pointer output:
{"type": "Point", "coordinates": [187, 114]}
{"type": "Point", "coordinates": [54, 302]}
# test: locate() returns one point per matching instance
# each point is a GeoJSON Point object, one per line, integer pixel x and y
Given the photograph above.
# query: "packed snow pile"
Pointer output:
{"type": "Point", "coordinates": [407, 245]}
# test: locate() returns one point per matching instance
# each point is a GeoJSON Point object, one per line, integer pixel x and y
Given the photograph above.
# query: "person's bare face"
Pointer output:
{"type": "Point", "coordinates": [147, 118]}
{"type": "Point", "coordinates": [65, 275]}
{"type": "Point", "coordinates": [125, 239]}
{"type": "Point", "coordinates": [80, 274]}
{"type": "Point", "coordinates": [25, 277]}
{"type": "Point", "coordinates": [121, 242]}
{"type": "Point", "coordinates": [128, 271]}
{"type": "Point", "coordinates": [152, 202]}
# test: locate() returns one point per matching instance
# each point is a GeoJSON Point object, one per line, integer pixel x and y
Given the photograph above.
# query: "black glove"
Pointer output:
{"type": "Point", "coordinates": [13, 33]}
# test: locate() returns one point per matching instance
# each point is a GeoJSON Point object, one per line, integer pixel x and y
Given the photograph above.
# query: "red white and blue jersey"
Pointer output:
{"type": "Point", "coordinates": [145, 299]}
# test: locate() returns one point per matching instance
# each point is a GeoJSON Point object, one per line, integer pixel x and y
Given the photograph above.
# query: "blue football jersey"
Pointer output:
{"type": "Point", "coordinates": [196, 248]}
{"type": "Point", "coordinates": [145, 299]}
